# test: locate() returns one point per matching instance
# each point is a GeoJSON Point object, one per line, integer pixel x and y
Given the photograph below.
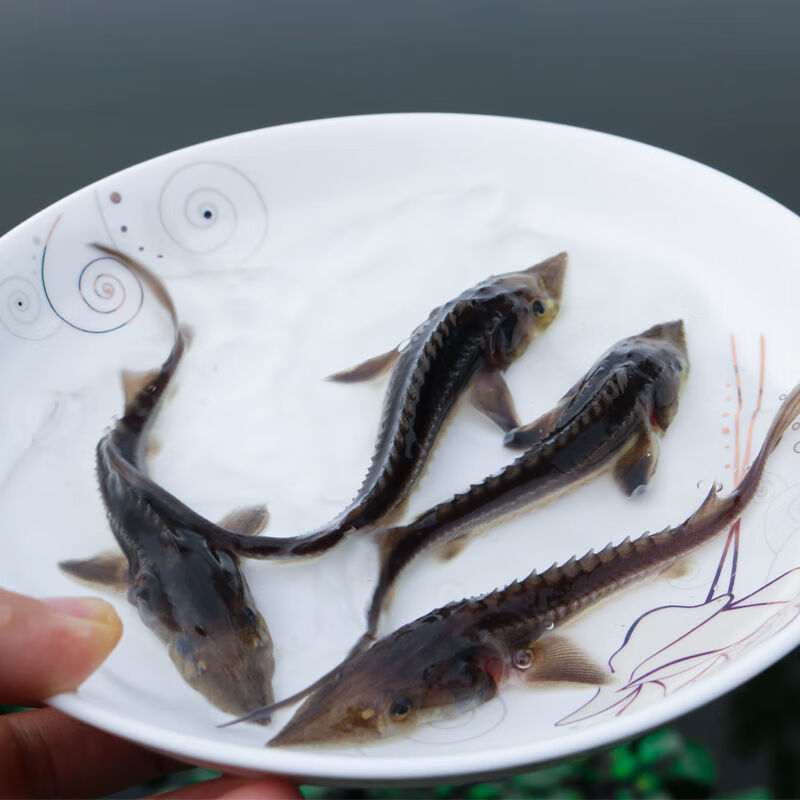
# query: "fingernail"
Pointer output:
{"type": "Point", "coordinates": [90, 608]}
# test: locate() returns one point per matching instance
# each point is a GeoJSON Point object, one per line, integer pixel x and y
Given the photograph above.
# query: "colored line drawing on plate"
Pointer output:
{"type": "Point", "coordinates": [212, 208]}
{"type": "Point", "coordinates": [685, 642]}
{"type": "Point", "coordinates": [108, 294]}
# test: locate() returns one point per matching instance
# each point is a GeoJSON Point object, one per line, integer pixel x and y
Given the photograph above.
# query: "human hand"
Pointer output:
{"type": "Point", "coordinates": [52, 646]}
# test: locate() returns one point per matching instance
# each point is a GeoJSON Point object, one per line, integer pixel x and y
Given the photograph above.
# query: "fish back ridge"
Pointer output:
{"type": "Point", "coordinates": [406, 386]}
{"type": "Point", "coordinates": [563, 590]}
{"type": "Point", "coordinates": [391, 451]}
{"type": "Point", "coordinates": [477, 502]}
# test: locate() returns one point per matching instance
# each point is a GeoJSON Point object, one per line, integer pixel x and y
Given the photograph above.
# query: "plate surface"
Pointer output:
{"type": "Point", "coordinates": [296, 251]}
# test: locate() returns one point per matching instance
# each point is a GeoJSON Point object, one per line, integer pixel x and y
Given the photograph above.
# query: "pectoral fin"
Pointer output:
{"type": "Point", "coordinates": [108, 570]}
{"type": "Point", "coordinates": [525, 436]}
{"type": "Point", "coordinates": [637, 466]}
{"type": "Point", "coordinates": [367, 370]}
{"type": "Point", "coordinates": [489, 394]}
{"type": "Point", "coordinates": [250, 519]}
{"type": "Point", "coordinates": [557, 658]}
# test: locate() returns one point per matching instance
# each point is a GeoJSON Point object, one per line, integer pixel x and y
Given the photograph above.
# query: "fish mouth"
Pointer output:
{"type": "Point", "coordinates": [551, 273]}
{"type": "Point", "coordinates": [670, 331]}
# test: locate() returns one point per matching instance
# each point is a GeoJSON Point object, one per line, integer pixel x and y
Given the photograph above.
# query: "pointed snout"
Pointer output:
{"type": "Point", "coordinates": [551, 273]}
{"type": "Point", "coordinates": [671, 331]}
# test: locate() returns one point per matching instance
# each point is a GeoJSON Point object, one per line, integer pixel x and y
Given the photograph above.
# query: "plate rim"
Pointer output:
{"type": "Point", "coordinates": [319, 765]}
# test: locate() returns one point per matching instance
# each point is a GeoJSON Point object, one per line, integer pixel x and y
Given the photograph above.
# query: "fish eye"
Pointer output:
{"type": "Point", "coordinates": [401, 707]}
{"type": "Point", "coordinates": [538, 308]}
{"type": "Point", "coordinates": [249, 615]}
{"type": "Point", "coordinates": [523, 659]}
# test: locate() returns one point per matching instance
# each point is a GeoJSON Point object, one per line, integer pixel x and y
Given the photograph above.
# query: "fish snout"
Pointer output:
{"type": "Point", "coordinates": [235, 681]}
{"type": "Point", "coordinates": [550, 273]}
{"type": "Point", "coordinates": [672, 332]}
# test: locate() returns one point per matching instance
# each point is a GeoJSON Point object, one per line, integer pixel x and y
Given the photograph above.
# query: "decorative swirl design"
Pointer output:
{"type": "Point", "coordinates": [211, 207]}
{"type": "Point", "coordinates": [473, 724]}
{"type": "Point", "coordinates": [793, 510]}
{"type": "Point", "coordinates": [21, 310]}
{"type": "Point", "coordinates": [109, 295]}
{"type": "Point", "coordinates": [769, 487]}
{"type": "Point", "coordinates": [108, 292]}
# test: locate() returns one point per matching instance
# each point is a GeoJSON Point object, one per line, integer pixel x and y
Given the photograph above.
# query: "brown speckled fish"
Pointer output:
{"type": "Point", "coordinates": [463, 347]}
{"type": "Point", "coordinates": [459, 656]}
{"type": "Point", "coordinates": [187, 589]}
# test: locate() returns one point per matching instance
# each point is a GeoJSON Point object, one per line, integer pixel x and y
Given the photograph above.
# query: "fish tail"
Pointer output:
{"type": "Point", "coordinates": [787, 413]}
{"type": "Point", "coordinates": [715, 512]}
{"type": "Point", "coordinates": [153, 282]}
{"type": "Point", "coordinates": [143, 391]}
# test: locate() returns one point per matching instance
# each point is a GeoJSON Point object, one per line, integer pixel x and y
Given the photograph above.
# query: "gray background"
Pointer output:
{"type": "Point", "coordinates": [91, 86]}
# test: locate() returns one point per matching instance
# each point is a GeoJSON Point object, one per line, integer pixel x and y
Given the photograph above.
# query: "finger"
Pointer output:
{"type": "Point", "coordinates": [51, 646]}
{"type": "Point", "coordinates": [45, 753]}
{"type": "Point", "coordinates": [231, 788]}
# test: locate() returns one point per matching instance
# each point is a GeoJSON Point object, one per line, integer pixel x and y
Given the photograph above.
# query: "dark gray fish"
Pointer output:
{"type": "Point", "coordinates": [610, 420]}
{"type": "Point", "coordinates": [463, 347]}
{"type": "Point", "coordinates": [188, 589]}
{"type": "Point", "coordinates": [460, 656]}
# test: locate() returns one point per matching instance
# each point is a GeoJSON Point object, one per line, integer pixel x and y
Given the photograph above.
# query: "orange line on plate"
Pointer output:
{"type": "Point", "coordinates": [47, 240]}
{"type": "Point", "coordinates": [758, 404]}
{"type": "Point", "coordinates": [736, 474]}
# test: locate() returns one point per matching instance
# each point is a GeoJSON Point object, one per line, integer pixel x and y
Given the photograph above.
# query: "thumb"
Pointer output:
{"type": "Point", "coordinates": [51, 646]}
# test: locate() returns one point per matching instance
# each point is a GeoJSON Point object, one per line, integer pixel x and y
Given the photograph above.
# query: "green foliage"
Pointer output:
{"type": "Point", "coordinates": [660, 764]}
{"type": "Point", "coordinates": [764, 719]}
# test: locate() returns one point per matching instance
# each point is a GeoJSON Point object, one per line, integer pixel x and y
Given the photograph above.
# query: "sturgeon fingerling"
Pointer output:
{"type": "Point", "coordinates": [612, 419]}
{"type": "Point", "coordinates": [188, 590]}
{"type": "Point", "coordinates": [462, 348]}
{"type": "Point", "coordinates": [459, 656]}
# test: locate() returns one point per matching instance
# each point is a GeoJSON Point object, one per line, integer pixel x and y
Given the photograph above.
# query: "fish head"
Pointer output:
{"type": "Point", "coordinates": [669, 345]}
{"type": "Point", "coordinates": [535, 295]}
{"type": "Point", "coordinates": [202, 608]}
{"type": "Point", "coordinates": [387, 691]}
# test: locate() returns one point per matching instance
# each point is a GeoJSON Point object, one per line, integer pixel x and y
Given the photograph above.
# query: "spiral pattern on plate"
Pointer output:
{"type": "Point", "coordinates": [212, 208]}
{"type": "Point", "coordinates": [21, 309]}
{"type": "Point", "coordinates": [469, 725]}
{"type": "Point", "coordinates": [103, 297]}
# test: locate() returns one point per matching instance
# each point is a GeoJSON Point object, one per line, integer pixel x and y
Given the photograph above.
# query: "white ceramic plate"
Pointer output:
{"type": "Point", "coordinates": [296, 251]}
